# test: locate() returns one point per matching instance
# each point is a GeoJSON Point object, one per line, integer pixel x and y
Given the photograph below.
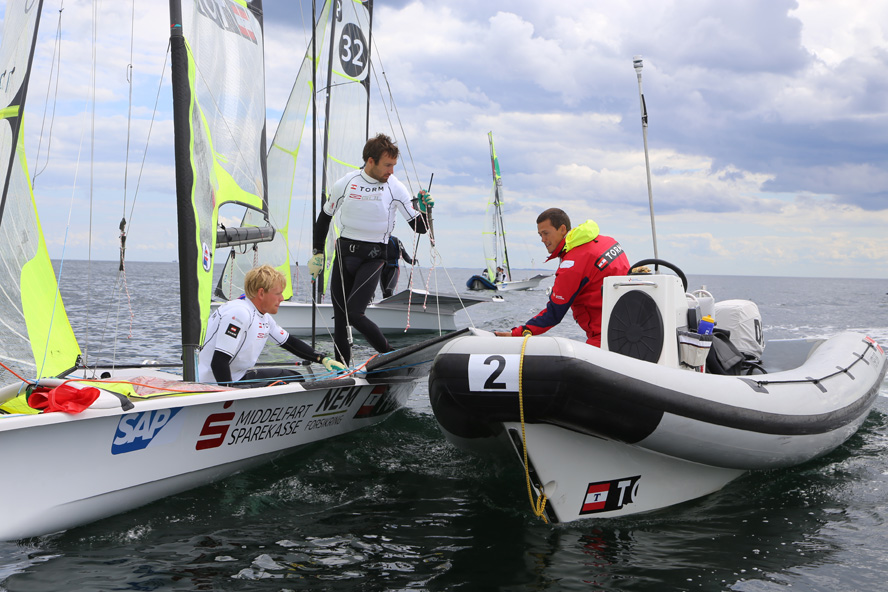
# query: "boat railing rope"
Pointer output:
{"type": "Point", "coordinates": [816, 381]}
{"type": "Point", "coordinates": [539, 505]}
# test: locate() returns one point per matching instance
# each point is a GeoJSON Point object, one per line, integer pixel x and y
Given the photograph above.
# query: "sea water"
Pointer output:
{"type": "Point", "coordinates": [396, 507]}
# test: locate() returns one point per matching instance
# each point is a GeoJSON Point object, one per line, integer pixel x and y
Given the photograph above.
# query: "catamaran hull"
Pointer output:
{"type": "Point", "coordinates": [610, 435]}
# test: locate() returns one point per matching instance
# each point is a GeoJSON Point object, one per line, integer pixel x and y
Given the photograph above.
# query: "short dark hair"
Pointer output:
{"type": "Point", "coordinates": [379, 145]}
{"type": "Point", "coordinates": [556, 217]}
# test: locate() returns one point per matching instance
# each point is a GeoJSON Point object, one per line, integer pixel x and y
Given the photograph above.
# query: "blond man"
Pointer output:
{"type": "Point", "coordinates": [237, 332]}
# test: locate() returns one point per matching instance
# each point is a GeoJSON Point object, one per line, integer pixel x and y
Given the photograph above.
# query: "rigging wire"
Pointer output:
{"type": "Point", "coordinates": [129, 121]}
{"type": "Point", "coordinates": [161, 79]}
{"type": "Point", "coordinates": [92, 150]}
{"type": "Point", "coordinates": [56, 61]}
{"type": "Point", "coordinates": [132, 206]}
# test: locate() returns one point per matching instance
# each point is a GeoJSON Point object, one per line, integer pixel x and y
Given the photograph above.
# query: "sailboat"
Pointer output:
{"type": "Point", "coordinates": [498, 275]}
{"type": "Point", "coordinates": [340, 63]}
{"type": "Point", "coordinates": [111, 439]}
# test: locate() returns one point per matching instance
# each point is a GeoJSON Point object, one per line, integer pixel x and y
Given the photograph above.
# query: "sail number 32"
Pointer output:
{"type": "Point", "coordinates": [494, 372]}
{"type": "Point", "coordinates": [353, 50]}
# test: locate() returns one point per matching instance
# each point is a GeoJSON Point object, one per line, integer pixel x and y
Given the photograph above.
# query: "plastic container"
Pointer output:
{"type": "Point", "coordinates": [705, 326]}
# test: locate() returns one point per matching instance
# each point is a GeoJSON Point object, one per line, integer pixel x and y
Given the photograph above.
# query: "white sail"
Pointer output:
{"type": "Point", "coordinates": [289, 156]}
{"type": "Point", "coordinates": [219, 110]}
{"type": "Point", "coordinates": [493, 235]}
{"type": "Point", "coordinates": [35, 336]}
{"type": "Point", "coordinates": [342, 43]}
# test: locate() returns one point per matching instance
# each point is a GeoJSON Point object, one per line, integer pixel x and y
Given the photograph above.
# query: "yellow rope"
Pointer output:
{"type": "Point", "coordinates": [540, 504]}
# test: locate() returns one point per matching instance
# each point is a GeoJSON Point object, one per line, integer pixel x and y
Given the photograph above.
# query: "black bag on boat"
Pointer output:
{"type": "Point", "coordinates": [724, 357]}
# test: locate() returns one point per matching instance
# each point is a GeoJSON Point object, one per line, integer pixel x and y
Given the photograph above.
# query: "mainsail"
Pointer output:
{"type": "Point", "coordinates": [340, 69]}
{"type": "Point", "coordinates": [219, 114]}
{"type": "Point", "coordinates": [36, 338]}
{"type": "Point", "coordinates": [493, 236]}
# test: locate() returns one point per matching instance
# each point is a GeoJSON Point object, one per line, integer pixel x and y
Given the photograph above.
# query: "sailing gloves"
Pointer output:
{"type": "Point", "coordinates": [424, 201]}
{"type": "Point", "coordinates": [316, 264]}
{"type": "Point", "coordinates": [333, 365]}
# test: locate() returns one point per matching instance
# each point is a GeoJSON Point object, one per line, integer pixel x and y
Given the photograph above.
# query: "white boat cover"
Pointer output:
{"type": "Point", "coordinates": [743, 319]}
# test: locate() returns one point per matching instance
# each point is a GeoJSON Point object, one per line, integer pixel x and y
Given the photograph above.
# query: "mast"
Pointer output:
{"type": "Point", "coordinates": [367, 79]}
{"type": "Point", "coordinates": [500, 228]}
{"type": "Point", "coordinates": [337, 15]}
{"type": "Point", "coordinates": [314, 160]}
{"type": "Point", "coordinates": [189, 307]}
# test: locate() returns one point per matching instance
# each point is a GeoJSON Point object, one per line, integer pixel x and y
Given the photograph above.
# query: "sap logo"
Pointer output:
{"type": "Point", "coordinates": [136, 431]}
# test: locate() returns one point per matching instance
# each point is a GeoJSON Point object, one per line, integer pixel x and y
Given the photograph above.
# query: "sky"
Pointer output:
{"type": "Point", "coordinates": [766, 139]}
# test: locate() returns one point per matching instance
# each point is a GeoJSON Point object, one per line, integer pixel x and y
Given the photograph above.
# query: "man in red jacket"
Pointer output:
{"type": "Point", "coordinates": [587, 257]}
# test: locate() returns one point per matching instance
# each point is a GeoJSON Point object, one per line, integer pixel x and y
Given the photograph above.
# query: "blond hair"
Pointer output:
{"type": "Point", "coordinates": [265, 277]}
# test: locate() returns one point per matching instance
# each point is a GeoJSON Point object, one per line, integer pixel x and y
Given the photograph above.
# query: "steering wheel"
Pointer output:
{"type": "Point", "coordinates": [667, 265]}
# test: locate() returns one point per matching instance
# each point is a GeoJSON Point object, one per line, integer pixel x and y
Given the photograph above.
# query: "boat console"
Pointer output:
{"type": "Point", "coordinates": [653, 318]}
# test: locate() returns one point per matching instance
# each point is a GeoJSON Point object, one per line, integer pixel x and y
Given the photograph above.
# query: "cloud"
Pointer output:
{"type": "Point", "coordinates": [766, 135]}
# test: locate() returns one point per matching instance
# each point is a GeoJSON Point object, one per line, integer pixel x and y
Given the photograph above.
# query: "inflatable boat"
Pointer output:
{"type": "Point", "coordinates": [660, 414]}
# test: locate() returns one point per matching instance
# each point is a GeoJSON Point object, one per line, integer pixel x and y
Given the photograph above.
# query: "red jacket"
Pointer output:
{"type": "Point", "coordinates": [586, 259]}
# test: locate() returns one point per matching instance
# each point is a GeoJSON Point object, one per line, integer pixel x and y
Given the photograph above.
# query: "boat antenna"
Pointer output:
{"type": "Point", "coordinates": [636, 60]}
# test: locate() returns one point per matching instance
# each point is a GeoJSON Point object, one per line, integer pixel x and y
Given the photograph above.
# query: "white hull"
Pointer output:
{"type": "Point", "coordinates": [477, 282]}
{"type": "Point", "coordinates": [528, 284]}
{"type": "Point", "coordinates": [64, 470]}
{"type": "Point", "coordinates": [73, 469]}
{"type": "Point", "coordinates": [586, 476]}
{"type": "Point", "coordinates": [428, 312]}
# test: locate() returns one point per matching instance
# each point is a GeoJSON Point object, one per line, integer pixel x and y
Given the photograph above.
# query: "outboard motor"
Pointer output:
{"type": "Point", "coordinates": [744, 322]}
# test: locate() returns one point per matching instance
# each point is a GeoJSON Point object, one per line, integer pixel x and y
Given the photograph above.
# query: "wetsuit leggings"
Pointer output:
{"type": "Point", "coordinates": [352, 285]}
{"type": "Point", "coordinates": [388, 281]}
